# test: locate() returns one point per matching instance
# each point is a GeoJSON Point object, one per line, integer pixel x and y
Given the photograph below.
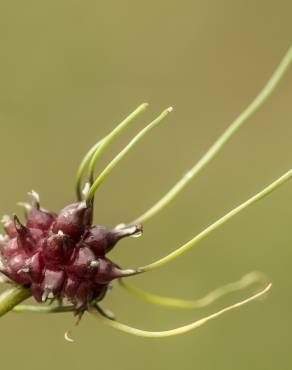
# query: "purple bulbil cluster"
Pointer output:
{"type": "Point", "coordinates": [62, 255]}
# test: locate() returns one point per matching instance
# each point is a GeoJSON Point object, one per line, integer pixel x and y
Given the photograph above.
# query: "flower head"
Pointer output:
{"type": "Point", "coordinates": [62, 255]}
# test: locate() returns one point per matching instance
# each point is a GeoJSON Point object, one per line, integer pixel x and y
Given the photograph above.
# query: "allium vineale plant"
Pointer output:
{"type": "Point", "coordinates": [62, 258]}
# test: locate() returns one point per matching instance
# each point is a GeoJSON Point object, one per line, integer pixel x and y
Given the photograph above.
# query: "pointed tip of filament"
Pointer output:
{"type": "Point", "coordinates": [67, 337]}
{"type": "Point", "coordinates": [18, 225]}
{"type": "Point", "coordinates": [134, 231]}
{"type": "Point", "coordinates": [169, 109]}
{"type": "Point", "coordinates": [35, 196]}
{"type": "Point", "coordinates": [263, 292]}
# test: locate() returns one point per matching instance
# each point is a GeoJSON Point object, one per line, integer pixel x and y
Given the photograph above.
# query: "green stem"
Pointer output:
{"type": "Point", "coordinates": [95, 152]}
{"type": "Point", "coordinates": [12, 297]}
{"type": "Point", "coordinates": [243, 283]}
{"type": "Point", "coordinates": [269, 189]}
{"type": "Point", "coordinates": [111, 136]}
{"type": "Point", "coordinates": [124, 152]}
{"type": "Point", "coordinates": [42, 309]}
{"type": "Point", "coordinates": [222, 140]}
{"type": "Point", "coordinates": [180, 330]}
{"type": "Point", "coordinates": [81, 169]}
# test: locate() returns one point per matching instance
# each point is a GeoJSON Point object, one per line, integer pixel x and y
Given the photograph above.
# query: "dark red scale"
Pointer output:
{"type": "Point", "coordinates": [62, 256]}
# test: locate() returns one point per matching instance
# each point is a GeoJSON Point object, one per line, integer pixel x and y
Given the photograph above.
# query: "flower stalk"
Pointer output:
{"type": "Point", "coordinates": [12, 297]}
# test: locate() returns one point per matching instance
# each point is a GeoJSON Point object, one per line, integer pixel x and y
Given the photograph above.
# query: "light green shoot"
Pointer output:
{"type": "Point", "coordinates": [12, 297]}
{"type": "Point", "coordinates": [82, 167]}
{"type": "Point", "coordinates": [222, 140]}
{"type": "Point", "coordinates": [228, 216]}
{"type": "Point", "coordinates": [100, 179]}
{"type": "Point", "coordinates": [42, 309]}
{"type": "Point", "coordinates": [246, 281]}
{"type": "Point", "coordinates": [180, 330]}
{"type": "Point", "coordinates": [111, 136]}
{"type": "Point", "coordinates": [98, 149]}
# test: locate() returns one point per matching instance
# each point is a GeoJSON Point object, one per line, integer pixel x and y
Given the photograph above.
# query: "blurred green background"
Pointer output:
{"type": "Point", "coordinates": [69, 72]}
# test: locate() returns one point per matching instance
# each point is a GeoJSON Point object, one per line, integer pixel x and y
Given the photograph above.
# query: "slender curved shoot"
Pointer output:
{"type": "Point", "coordinates": [42, 309]}
{"type": "Point", "coordinates": [82, 167]}
{"type": "Point", "coordinates": [228, 216]}
{"type": "Point", "coordinates": [96, 151]}
{"type": "Point", "coordinates": [12, 297]}
{"type": "Point", "coordinates": [124, 152]}
{"type": "Point", "coordinates": [246, 281]}
{"type": "Point", "coordinates": [180, 330]}
{"type": "Point", "coordinates": [221, 141]}
{"type": "Point", "coordinates": [111, 136]}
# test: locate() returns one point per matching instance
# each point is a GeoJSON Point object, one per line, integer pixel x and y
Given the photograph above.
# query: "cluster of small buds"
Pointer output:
{"type": "Point", "coordinates": [62, 255]}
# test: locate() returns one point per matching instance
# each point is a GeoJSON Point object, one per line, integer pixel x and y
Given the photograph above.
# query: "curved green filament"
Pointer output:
{"type": "Point", "coordinates": [111, 136]}
{"type": "Point", "coordinates": [12, 297]}
{"type": "Point", "coordinates": [243, 283]}
{"type": "Point", "coordinates": [95, 152]}
{"type": "Point", "coordinates": [124, 152]}
{"type": "Point", "coordinates": [222, 140]}
{"type": "Point", "coordinates": [42, 309]}
{"type": "Point", "coordinates": [262, 194]}
{"type": "Point", "coordinates": [177, 331]}
{"type": "Point", "coordinates": [82, 167]}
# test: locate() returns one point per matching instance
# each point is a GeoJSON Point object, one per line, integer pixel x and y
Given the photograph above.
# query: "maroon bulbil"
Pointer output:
{"type": "Point", "coordinates": [62, 256]}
